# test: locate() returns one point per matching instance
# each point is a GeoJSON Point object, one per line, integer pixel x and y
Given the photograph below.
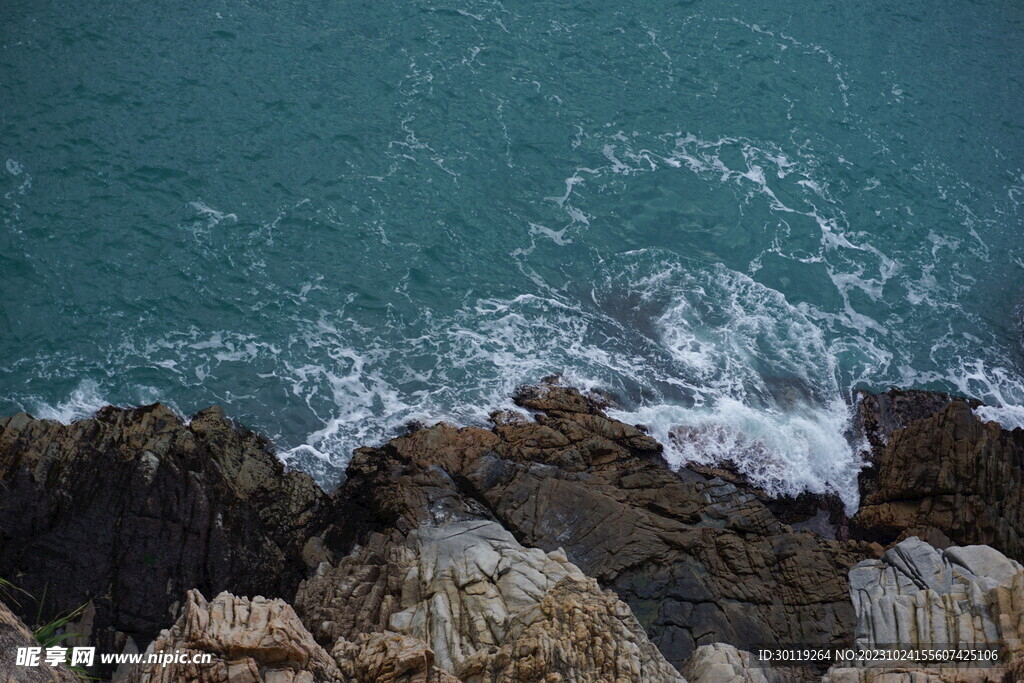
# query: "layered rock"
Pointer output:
{"type": "Point", "coordinates": [488, 608]}
{"type": "Point", "coordinates": [698, 560]}
{"type": "Point", "coordinates": [238, 640]}
{"type": "Point", "coordinates": [950, 478]}
{"type": "Point", "coordinates": [919, 597]}
{"type": "Point", "coordinates": [131, 509]}
{"type": "Point", "coordinates": [877, 416]}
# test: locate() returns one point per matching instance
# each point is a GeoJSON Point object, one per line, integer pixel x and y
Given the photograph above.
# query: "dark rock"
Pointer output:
{"type": "Point", "coordinates": [822, 513]}
{"type": "Point", "coordinates": [133, 508]}
{"type": "Point", "coordinates": [950, 478]}
{"type": "Point", "coordinates": [879, 415]}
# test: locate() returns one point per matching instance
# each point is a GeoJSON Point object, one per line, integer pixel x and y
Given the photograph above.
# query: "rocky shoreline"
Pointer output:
{"type": "Point", "coordinates": [554, 548]}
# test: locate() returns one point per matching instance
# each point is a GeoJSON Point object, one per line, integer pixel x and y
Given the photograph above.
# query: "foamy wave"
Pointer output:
{"type": "Point", "coordinates": [83, 403]}
{"type": "Point", "coordinates": [803, 448]}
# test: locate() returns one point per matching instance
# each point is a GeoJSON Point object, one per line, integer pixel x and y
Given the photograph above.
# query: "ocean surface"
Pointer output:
{"type": "Point", "coordinates": [339, 216]}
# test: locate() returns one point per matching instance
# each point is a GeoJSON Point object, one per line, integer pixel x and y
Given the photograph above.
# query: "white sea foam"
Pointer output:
{"type": "Point", "coordinates": [83, 403]}
{"type": "Point", "coordinates": [212, 215]}
{"type": "Point", "coordinates": [784, 451]}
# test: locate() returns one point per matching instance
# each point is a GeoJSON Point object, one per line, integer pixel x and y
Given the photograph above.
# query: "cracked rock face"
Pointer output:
{"type": "Point", "coordinates": [488, 608]}
{"type": "Point", "coordinates": [557, 546]}
{"type": "Point", "coordinates": [949, 478]}
{"type": "Point", "coordinates": [131, 509]}
{"type": "Point", "coordinates": [388, 657]}
{"type": "Point", "coordinates": [918, 595]}
{"type": "Point", "coordinates": [697, 559]}
{"type": "Point", "coordinates": [469, 583]}
{"type": "Point", "coordinates": [249, 641]}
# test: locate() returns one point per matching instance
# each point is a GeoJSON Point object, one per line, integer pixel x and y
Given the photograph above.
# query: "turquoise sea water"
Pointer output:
{"type": "Point", "coordinates": [335, 217]}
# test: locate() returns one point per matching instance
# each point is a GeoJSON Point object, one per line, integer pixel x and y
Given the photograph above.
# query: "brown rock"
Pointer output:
{"type": "Point", "coordinates": [950, 478]}
{"type": "Point", "coordinates": [467, 598]}
{"type": "Point", "coordinates": [237, 640]}
{"type": "Point", "coordinates": [388, 657]}
{"type": "Point", "coordinates": [698, 560]}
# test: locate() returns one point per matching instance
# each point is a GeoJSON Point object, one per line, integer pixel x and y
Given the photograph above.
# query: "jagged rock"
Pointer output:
{"type": "Point", "coordinates": [578, 632]}
{"type": "Point", "coordinates": [950, 478]}
{"type": "Point", "coordinates": [465, 552]}
{"type": "Point", "coordinates": [14, 634]}
{"type": "Point", "coordinates": [879, 415]}
{"type": "Point", "coordinates": [388, 657]}
{"type": "Point", "coordinates": [822, 513]}
{"type": "Point", "coordinates": [918, 595]}
{"type": "Point", "coordinates": [487, 608]}
{"type": "Point", "coordinates": [722, 663]}
{"type": "Point", "coordinates": [132, 508]}
{"type": "Point", "coordinates": [359, 594]}
{"type": "Point", "coordinates": [698, 560]}
{"type": "Point", "coordinates": [249, 641]}
{"type": "Point", "coordinates": [469, 580]}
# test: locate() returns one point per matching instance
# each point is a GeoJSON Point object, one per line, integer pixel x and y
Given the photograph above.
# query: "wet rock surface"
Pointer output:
{"type": "Point", "coordinates": [555, 545]}
{"type": "Point", "coordinates": [697, 559]}
{"type": "Point", "coordinates": [878, 415]}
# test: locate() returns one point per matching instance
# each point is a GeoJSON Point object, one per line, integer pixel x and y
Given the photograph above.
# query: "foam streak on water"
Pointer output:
{"type": "Point", "coordinates": [730, 215]}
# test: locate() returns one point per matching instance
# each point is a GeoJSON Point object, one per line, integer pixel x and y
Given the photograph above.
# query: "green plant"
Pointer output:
{"type": "Point", "coordinates": [47, 635]}
{"type": "Point", "coordinates": [7, 590]}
